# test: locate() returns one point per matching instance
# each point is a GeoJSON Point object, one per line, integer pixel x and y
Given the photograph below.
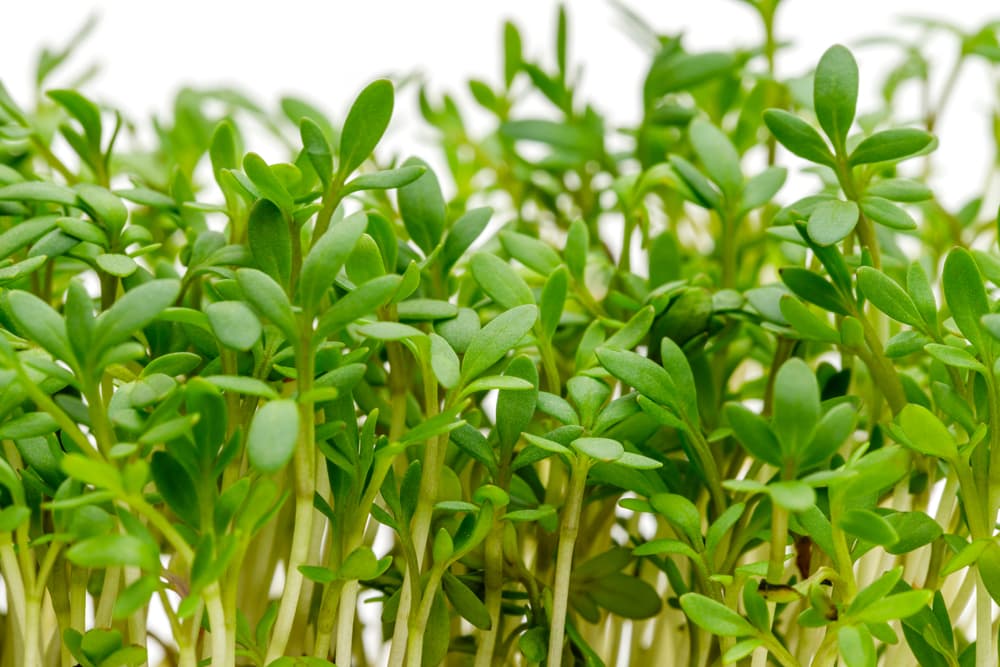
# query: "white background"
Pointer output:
{"type": "Point", "coordinates": [326, 51]}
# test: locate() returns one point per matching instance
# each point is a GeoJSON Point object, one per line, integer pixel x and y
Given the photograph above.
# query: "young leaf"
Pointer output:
{"type": "Point", "coordinates": [326, 257]}
{"type": "Point", "coordinates": [925, 432]}
{"type": "Point", "coordinates": [422, 206]}
{"type": "Point", "coordinates": [365, 124]}
{"type": "Point", "coordinates": [962, 284]}
{"type": "Point", "coordinates": [269, 299]}
{"type": "Point", "coordinates": [234, 324]}
{"type": "Point", "coordinates": [798, 136]}
{"type": "Point", "coordinates": [134, 311]}
{"type": "Point", "coordinates": [493, 341]}
{"type": "Point", "coordinates": [645, 376]}
{"type": "Point", "coordinates": [500, 281]}
{"type": "Point", "coordinates": [714, 616]}
{"type": "Point", "coordinates": [270, 241]}
{"type": "Point", "coordinates": [894, 144]}
{"type": "Point", "coordinates": [272, 435]}
{"type": "Point", "coordinates": [796, 406]}
{"type": "Point", "coordinates": [718, 155]}
{"type": "Point", "coordinates": [835, 93]}
{"type": "Point", "coordinates": [831, 221]}
{"type": "Point", "coordinates": [886, 295]}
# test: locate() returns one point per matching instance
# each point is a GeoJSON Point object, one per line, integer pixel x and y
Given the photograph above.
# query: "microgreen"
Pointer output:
{"type": "Point", "coordinates": [643, 394]}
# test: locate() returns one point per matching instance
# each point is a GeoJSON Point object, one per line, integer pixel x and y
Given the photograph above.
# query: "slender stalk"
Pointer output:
{"type": "Point", "coordinates": [223, 635]}
{"type": "Point", "coordinates": [304, 461]}
{"type": "Point", "coordinates": [493, 580]}
{"type": "Point", "coordinates": [779, 542]}
{"type": "Point", "coordinates": [418, 624]}
{"type": "Point", "coordinates": [564, 559]}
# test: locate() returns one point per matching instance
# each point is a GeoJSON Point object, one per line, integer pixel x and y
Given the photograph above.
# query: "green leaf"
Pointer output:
{"type": "Point", "coordinates": [868, 526]}
{"type": "Point", "coordinates": [796, 406]}
{"type": "Point", "coordinates": [268, 298]}
{"type": "Point", "coordinates": [223, 151]}
{"type": "Point", "coordinates": [954, 356]}
{"type": "Point", "coordinates": [676, 364]}
{"type": "Point", "coordinates": [387, 179]}
{"type": "Point", "coordinates": [40, 192]}
{"type": "Point", "coordinates": [134, 311]}
{"type": "Point", "coordinates": [242, 385]}
{"type": "Point", "coordinates": [493, 341]}
{"type": "Point", "coordinates": [389, 331]}
{"type": "Point", "coordinates": [601, 449]}
{"type": "Point", "coordinates": [270, 241]}
{"type": "Point", "coordinates": [30, 425]}
{"type": "Point", "coordinates": [832, 221]}
{"type": "Point", "coordinates": [103, 206]}
{"type": "Point", "coordinates": [234, 324]}
{"type": "Point", "coordinates": [680, 512]}
{"type": "Point", "coordinates": [115, 550]}
{"type": "Point", "coordinates": [176, 487]}
{"type": "Point", "coordinates": [915, 529]}
{"type": "Point", "coordinates": [714, 616]}
{"type": "Point", "coordinates": [552, 301]}
{"type": "Point", "coordinates": [115, 264]}
{"type": "Point", "coordinates": [672, 71]}
{"type": "Point", "coordinates": [894, 144]}
{"type": "Point", "coordinates": [886, 213]}
{"type": "Point", "coordinates": [798, 136]}
{"type": "Point", "coordinates": [805, 323]}
{"type": "Point", "coordinates": [466, 603]}
{"type": "Point", "coordinates": [925, 432]}
{"type": "Point", "coordinates": [272, 435]}
{"type": "Point", "coordinates": [25, 233]}
{"type": "Point", "coordinates": [835, 93]}
{"type": "Point", "coordinates": [327, 256]}
{"type": "Point", "coordinates": [793, 495]}
{"type": "Point", "coordinates": [515, 409]}
{"type": "Point", "coordinates": [814, 289]}
{"type": "Point", "coordinates": [547, 444]}
{"type": "Point", "coordinates": [270, 187]}
{"type": "Point", "coordinates": [41, 324]}
{"type": "Point", "coordinates": [576, 248]}
{"type": "Point", "coordinates": [500, 281]}
{"type": "Point", "coordinates": [886, 295]}
{"type": "Point", "coordinates": [84, 111]}
{"type": "Point", "coordinates": [464, 232]}
{"type": "Point", "coordinates": [754, 434]}
{"type": "Point", "coordinates": [900, 189]}
{"type": "Point", "coordinates": [423, 208]}
{"type": "Point", "coordinates": [856, 646]}
{"type": "Point", "coordinates": [718, 156]}
{"type": "Point", "coordinates": [365, 124]}
{"type": "Point", "coordinates": [892, 607]}
{"type": "Point", "coordinates": [357, 303]}
{"type": "Point", "coordinates": [626, 596]}
{"type": "Point", "coordinates": [965, 294]}
{"type": "Point", "coordinates": [761, 188]}
{"type": "Point", "coordinates": [533, 253]}
{"type": "Point", "coordinates": [316, 148]}
{"type": "Point", "coordinates": [444, 362]}
{"type": "Point", "coordinates": [637, 371]}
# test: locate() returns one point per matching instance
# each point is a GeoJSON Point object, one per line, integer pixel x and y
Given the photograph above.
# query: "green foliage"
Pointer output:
{"type": "Point", "coordinates": [647, 386]}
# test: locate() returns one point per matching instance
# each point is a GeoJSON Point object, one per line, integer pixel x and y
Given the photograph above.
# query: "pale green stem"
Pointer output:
{"type": "Point", "coordinates": [564, 559]}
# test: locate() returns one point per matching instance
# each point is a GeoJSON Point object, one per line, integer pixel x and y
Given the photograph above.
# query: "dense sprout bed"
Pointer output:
{"type": "Point", "coordinates": [587, 395]}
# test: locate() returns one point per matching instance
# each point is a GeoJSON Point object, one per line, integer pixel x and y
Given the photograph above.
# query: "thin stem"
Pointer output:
{"type": "Point", "coordinates": [564, 559]}
{"type": "Point", "coordinates": [305, 485]}
{"type": "Point", "coordinates": [985, 654]}
{"type": "Point", "coordinates": [493, 580]}
{"type": "Point", "coordinates": [779, 542]}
